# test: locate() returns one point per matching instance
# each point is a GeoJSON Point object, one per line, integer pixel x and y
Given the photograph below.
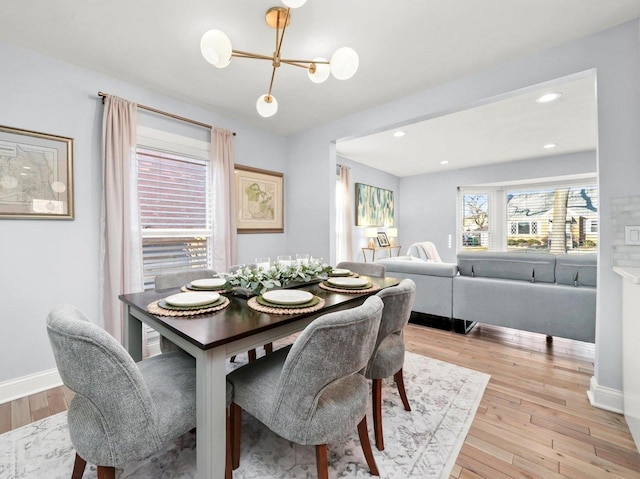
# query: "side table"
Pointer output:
{"type": "Point", "coordinates": [377, 248]}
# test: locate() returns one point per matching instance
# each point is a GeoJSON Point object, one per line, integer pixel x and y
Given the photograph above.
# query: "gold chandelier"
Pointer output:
{"type": "Point", "coordinates": [216, 49]}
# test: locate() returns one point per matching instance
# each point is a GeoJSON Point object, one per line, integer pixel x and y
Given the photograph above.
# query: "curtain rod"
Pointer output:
{"type": "Point", "coordinates": [170, 115]}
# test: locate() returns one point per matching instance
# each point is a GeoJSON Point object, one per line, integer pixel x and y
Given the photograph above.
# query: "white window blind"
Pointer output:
{"type": "Point", "coordinates": [175, 213]}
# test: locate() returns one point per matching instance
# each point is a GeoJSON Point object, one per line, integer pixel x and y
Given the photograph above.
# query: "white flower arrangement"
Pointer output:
{"type": "Point", "coordinates": [259, 280]}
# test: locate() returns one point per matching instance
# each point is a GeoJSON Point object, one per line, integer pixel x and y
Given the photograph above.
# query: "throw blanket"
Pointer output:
{"type": "Point", "coordinates": [427, 250]}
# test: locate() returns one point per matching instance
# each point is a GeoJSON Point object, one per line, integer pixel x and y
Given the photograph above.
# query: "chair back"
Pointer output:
{"type": "Point", "coordinates": [398, 302]}
{"type": "Point", "coordinates": [112, 407]}
{"type": "Point", "coordinates": [368, 269]}
{"type": "Point", "coordinates": [180, 278]}
{"type": "Point", "coordinates": [334, 346]}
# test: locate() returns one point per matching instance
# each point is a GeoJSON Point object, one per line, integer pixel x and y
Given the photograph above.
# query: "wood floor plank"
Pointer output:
{"type": "Point", "coordinates": [56, 400]}
{"type": "Point", "coordinates": [5, 417]}
{"type": "Point", "coordinates": [39, 406]}
{"type": "Point", "coordinates": [20, 413]}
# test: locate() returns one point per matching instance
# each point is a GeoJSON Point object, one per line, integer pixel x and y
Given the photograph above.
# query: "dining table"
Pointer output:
{"type": "Point", "coordinates": [212, 338]}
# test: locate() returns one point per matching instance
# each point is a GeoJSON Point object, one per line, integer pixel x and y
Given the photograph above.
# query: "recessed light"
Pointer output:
{"type": "Point", "coordinates": [444, 162]}
{"type": "Point", "coordinates": [547, 97]}
{"type": "Point", "coordinates": [550, 145]}
{"type": "Point", "coordinates": [399, 134]}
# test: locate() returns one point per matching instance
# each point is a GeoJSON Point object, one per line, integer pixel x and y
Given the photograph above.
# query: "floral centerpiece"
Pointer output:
{"type": "Point", "coordinates": [259, 280]}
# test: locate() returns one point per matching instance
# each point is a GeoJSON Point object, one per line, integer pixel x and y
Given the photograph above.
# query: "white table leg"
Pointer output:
{"type": "Point", "coordinates": [132, 335]}
{"type": "Point", "coordinates": [210, 411]}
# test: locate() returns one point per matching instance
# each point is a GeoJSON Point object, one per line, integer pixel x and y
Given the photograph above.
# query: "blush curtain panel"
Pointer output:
{"type": "Point", "coordinates": [224, 203]}
{"type": "Point", "coordinates": [344, 247]}
{"type": "Point", "coordinates": [121, 262]}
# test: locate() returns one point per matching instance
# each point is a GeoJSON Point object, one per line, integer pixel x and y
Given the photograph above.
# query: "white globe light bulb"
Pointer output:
{"type": "Point", "coordinates": [267, 105]}
{"type": "Point", "coordinates": [216, 48]}
{"type": "Point", "coordinates": [294, 3]}
{"type": "Point", "coordinates": [344, 63]}
{"type": "Point", "coordinates": [322, 71]}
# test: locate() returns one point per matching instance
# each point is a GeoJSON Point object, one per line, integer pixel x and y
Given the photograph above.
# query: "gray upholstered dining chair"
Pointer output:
{"type": "Point", "coordinates": [313, 392]}
{"type": "Point", "coordinates": [122, 411]}
{"type": "Point", "coordinates": [388, 355]}
{"type": "Point", "coordinates": [176, 279]}
{"type": "Point", "coordinates": [368, 269]}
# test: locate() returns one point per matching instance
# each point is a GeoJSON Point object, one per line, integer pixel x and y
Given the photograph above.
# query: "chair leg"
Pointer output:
{"type": "Point", "coordinates": [366, 447]}
{"type": "Point", "coordinates": [228, 473]}
{"type": "Point", "coordinates": [252, 355]}
{"type": "Point", "coordinates": [232, 359]}
{"type": "Point", "coordinates": [322, 461]}
{"type": "Point", "coordinates": [78, 467]}
{"type": "Point", "coordinates": [236, 427]}
{"type": "Point", "coordinates": [376, 392]}
{"type": "Point", "coordinates": [105, 472]}
{"type": "Point", "coordinates": [403, 394]}
{"type": "Point", "coordinates": [268, 348]}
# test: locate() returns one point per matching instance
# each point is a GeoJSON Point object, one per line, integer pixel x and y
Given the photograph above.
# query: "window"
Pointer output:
{"type": "Point", "coordinates": [175, 211]}
{"type": "Point", "coordinates": [556, 218]}
{"type": "Point", "coordinates": [479, 230]}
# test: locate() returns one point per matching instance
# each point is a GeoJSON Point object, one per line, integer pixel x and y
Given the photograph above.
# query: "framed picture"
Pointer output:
{"type": "Point", "coordinates": [382, 239]}
{"type": "Point", "coordinates": [374, 206]}
{"type": "Point", "coordinates": [259, 200]}
{"type": "Point", "coordinates": [36, 175]}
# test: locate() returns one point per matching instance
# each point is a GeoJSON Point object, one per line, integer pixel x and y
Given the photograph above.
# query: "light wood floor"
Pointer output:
{"type": "Point", "coordinates": [534, 421]}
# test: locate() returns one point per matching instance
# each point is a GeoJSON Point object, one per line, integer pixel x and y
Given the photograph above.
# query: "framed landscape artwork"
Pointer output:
{"type": "Point", "coordinates": [374, 206]}
{"type": "Point", "coordinates": [259, 200]}
{"type": "Point", "coordinates": [36, 175]}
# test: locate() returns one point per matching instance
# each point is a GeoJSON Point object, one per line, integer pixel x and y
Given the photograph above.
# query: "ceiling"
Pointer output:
{"type": "Point", "coordinates": [404, 47]}
{"type": "Point", "coordinates": [513, 128]}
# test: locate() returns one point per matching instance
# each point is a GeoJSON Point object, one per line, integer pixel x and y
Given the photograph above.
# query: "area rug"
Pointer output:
{"type": "Point", "coordinates": [423, 443]}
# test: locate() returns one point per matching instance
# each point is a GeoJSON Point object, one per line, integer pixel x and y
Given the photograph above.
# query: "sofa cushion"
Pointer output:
{"type": "Point", "coordinates": [448, 270]}
{"type": "Point", "coordinates": [577, 269]}
{"type": "Point", "coordinates": [532, 267]}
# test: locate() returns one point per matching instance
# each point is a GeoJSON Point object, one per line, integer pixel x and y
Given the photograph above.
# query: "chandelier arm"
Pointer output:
{"type": "Point", "coordinates": [287, 60]}
{"type": "Point", "coordinates": [273, 75]}
{"type": "Point", "coordinates": [284, 28]}
{"type": "Point", "coordinates": [241, 54]}
{"type": "Point", "coordinates": [297, 64]}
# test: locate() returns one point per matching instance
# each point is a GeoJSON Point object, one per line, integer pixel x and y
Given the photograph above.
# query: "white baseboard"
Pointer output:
{"type": "Point", "coordinates": [605, 398]}
{"type": "Point", "coordinates": [28, 385]}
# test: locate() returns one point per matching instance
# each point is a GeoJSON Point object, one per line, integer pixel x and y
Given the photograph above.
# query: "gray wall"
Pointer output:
{"type": "Point", "coordinates": [371, 176]}
{"type": "Point", "coordinates": [46, 262]}
{"type": "Point", "coordinates": [436, 194]}
{"type": "Point", "coordinates": [614, 54]}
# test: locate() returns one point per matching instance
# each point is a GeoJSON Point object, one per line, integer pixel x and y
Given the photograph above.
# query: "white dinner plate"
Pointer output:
{"type": "Point", "coordinates": [192, 299]}
{"type": "Point", "coordinates": [348, 282]}
{"type": "Point", "coordinates": [287, 296]}
{"type": "Point", "coordinates": [209, 282]}
{"type": "Point", "coordinates": [340, 271]}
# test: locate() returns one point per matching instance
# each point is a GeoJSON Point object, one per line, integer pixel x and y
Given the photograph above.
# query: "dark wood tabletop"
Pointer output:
{"type": "Point", "coordinates": [238, 320]}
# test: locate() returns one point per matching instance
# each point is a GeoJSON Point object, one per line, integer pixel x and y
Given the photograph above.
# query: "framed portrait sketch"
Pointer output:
{"type": "Point", "coordinates": [374, 206]}
{"type": "Point", "coordinates": [382, 239]}
{"type": "Point", "coordinates": [36, 175]}
{"type": "Point", "coordinates": [259, 200]}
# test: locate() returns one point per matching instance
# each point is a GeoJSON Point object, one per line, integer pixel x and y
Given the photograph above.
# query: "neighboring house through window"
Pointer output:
{"type": "Point", "coordinates": [556, 217]}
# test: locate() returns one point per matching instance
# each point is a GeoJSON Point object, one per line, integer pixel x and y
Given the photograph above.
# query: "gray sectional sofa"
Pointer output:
{"type": "Point", "coordinates": [539, 292]}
